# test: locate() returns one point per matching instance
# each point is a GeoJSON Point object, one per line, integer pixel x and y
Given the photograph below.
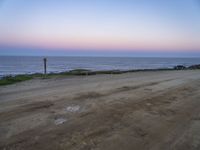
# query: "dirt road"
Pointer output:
{"type": "Point", "coordinates": [134, 111]}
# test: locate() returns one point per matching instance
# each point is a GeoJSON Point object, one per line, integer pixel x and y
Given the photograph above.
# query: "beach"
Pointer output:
{"type": "Point", "coordinates": [146, 110]}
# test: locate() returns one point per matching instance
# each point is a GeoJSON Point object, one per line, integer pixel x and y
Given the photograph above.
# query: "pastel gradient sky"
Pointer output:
{"type": "Point", "coordinates": [100, 27]}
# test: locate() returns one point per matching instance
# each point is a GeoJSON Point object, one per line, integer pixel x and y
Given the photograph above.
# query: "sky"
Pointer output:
{"type": "Point", "coordinates": [135, 28]}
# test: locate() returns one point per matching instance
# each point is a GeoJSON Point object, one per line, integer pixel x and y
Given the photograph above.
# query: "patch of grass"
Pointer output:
{"type": "Point", "coordinates": [109, 72]}
{"type": "Point", "coordinates": [19, 78]}
{"type": "Point", "coordinates": [80, 72]}
{"type": "Point", "coordinates": [13, 79]}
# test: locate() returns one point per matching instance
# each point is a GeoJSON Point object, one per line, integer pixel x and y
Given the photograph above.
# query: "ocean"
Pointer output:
{"type": "Point", "coordinates": [13, 65]}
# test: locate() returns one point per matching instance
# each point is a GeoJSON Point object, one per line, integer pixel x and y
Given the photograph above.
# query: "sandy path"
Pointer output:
{"type": "Point", "coordinates": [143, 110]}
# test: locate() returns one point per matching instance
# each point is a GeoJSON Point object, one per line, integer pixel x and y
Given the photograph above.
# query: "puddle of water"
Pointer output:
{"type": "Point", "coordinates": [73, 108]}
{"type": "Point", "coordinates": [60, 121]}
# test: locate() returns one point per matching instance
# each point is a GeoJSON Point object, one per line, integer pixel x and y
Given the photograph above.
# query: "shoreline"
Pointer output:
{"type": "Point", "coordinates": [11, 79]}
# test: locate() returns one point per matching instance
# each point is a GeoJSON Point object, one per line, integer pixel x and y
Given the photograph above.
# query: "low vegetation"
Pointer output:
{"type": "Point", "coordinates": [13, 79]}
{"type": "Point", "coordinates": [18, 78]}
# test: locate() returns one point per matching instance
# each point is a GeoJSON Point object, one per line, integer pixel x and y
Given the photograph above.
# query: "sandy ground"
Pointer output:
{"type": "Point", "coordinates": [134, 111]}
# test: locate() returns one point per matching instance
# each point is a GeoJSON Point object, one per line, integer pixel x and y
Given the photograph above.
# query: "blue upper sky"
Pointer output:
{"type": "Point", "coordinates": [100, 27]}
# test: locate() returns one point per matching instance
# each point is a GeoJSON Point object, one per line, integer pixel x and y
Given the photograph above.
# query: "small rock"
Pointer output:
{"type": "Point", "coordinates": [73, 108]}
{"type": "Point", "coordinates": [60, 121]}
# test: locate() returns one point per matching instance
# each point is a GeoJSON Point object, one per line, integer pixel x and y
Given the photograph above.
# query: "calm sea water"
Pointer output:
{"type": "Point", "coordinates": [27, 65]}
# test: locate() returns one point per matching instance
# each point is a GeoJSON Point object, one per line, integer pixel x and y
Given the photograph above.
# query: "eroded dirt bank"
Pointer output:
{"type": "Point", "coordinates": [133, 111]}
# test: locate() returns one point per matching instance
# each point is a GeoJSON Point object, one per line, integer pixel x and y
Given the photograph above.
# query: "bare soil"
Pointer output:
{"type": "Point", "coordinates": [133, 111]}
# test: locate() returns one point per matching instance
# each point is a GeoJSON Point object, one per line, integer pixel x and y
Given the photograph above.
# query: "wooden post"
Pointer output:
{"type": "Point", "coordinates": [45, 66]}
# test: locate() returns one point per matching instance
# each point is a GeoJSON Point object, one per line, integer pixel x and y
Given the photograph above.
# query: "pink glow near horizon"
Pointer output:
{"type": "Point", "coordinates": [115, 44]}
{"type": "Point", "coordinates": [128, 26]}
